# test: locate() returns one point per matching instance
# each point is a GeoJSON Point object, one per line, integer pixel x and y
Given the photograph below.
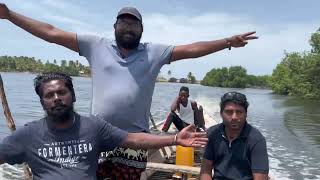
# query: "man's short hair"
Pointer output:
{"type": "Point", "coordinates": [184, 88]}
{"type": "Point", "coordinates": [234, 97]}
{"type": "Point", "coordinates": [46, 77]}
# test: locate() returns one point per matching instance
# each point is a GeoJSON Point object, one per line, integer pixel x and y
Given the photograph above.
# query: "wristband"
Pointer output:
{"type": "Point", "coordinates": [228, 43]}
{"type": "Point", "coordinates": [175, 139]}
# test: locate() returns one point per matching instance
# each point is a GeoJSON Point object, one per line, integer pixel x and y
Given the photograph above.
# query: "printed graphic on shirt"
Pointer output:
{"type": "Point", "coordinates": [130, 157]}
{"type": "Point", "coordinates": [67, 153]}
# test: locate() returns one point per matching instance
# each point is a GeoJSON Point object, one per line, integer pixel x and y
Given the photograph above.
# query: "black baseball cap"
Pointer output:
{"type": "Point", "coordinates": [131, 11]}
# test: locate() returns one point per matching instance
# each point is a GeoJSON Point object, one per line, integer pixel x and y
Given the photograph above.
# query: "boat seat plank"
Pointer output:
{"type": "Point", "coordinates": [173, 168]}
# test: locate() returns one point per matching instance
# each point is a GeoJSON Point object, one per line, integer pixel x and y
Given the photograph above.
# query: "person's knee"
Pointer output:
{"type": "Point", "coordinates": [173, 115]}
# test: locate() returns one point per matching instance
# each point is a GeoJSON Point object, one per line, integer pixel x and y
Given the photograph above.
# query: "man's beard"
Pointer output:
{"type": "Point", "coordinates": [62, 115]}
{"type": "Point", "coordinates": [127, 43]}
{"type": "Point", "coordinates": [235, 125]}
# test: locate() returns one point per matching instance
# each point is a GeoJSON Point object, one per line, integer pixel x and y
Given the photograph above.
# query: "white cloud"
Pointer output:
{"type": "Point", "coordinates": [259, 57]}
{"type": "Point", "coordinates": [58, 4]}
{"type": "Point", "coordinates": [66, 20]}
{"type": "Point", "coordinates": [63, 15]}
{"type": "Point", "coordinates": [195, 28]}
{"type": "Point", "coordinates": [24, 6]}
{"type": "Point", "coordinates": [74, 25]}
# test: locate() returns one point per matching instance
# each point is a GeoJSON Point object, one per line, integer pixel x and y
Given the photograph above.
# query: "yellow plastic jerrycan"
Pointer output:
{"type": "Point", "coordinates": [184, 156]}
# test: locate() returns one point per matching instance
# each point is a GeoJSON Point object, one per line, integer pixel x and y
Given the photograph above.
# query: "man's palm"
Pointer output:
{"type": "Point", "coordinates": [189, 137]}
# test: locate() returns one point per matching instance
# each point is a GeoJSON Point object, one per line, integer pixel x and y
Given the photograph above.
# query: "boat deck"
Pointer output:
{"type": "Point", "coordinates": [169, 175]}
{"type": "Point", "coordinates": [161, 162]}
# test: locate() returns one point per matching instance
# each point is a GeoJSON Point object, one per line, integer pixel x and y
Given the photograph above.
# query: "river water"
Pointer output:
{"type": "Point", "coordinates": [290, 125]}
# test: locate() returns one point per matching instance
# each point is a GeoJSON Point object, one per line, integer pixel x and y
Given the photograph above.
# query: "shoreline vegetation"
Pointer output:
{"type": "Point", "coordinates": [235, 77]}
{"type": "Point", "coordinates": [298, 74]}
{"type": "Point", "coordinates": [30, 64]}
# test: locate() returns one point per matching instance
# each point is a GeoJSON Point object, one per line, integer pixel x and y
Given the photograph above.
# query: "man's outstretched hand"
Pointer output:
{"type": "Point", "coordinates": [190, 138]}
{"type": "Point", "coordinates": [241, 39]}
{"type": "Point", "coordinates": [4, 11]}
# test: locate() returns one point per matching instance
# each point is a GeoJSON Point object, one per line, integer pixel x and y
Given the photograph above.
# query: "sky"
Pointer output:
{"type": "Point", "coordinates": [282, 26]}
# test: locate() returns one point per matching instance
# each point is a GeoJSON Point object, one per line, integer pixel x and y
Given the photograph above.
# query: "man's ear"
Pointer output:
{"type": "Point", "coordinates": [74, 98]}
{"type": "Point", "coordinates": [42, 104]}
{"type": "Point", "coordinates": [114, 26]}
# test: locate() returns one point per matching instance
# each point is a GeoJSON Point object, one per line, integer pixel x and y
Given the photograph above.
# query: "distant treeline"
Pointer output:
{"type": "Point", "coordinates": [234, 77]}
{"type": "Point", "coordinates": [298, 74]}
{"type": "Point", "coordinates": [27, 64]}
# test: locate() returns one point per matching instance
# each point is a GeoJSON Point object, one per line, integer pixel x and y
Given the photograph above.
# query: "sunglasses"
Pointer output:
{"type": "Point", "coordinates": [233, 96]}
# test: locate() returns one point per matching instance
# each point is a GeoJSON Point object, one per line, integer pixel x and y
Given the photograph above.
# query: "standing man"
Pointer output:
{"type": "Point", "coordinates": [123, 70]}
{"type": "Point", "coordinates": [236, 150]}
{"type": "Point", "coordinates": [188, 110]}
{"type": "Point", "coordinates": [65, 145]}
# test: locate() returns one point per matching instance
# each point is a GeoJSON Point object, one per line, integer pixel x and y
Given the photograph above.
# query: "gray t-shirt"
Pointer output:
{"type": "Point", "coordinates": [123, 88]}
{"type": "Point", "coordinates": [61, 154]}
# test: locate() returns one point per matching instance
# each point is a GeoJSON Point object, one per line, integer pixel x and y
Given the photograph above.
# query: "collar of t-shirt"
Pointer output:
{"type": "Point", "coordinates": [53, 128]}
{"type": "Point", "coordinates": [140, 47]}
{"type": "Point", "coordinates": [243, 134]}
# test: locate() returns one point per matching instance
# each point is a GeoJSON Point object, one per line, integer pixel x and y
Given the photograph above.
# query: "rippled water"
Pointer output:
{"type": "Point", "coordinates": [290, 125]}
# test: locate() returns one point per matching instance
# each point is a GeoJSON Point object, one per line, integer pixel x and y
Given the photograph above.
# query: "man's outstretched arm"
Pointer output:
{"type": "Point", "coordinates": [199, 49]}
{"type": "Point", "coordinates": [186, 137]}
{"type": "Point", "coordinates": [42, 30]}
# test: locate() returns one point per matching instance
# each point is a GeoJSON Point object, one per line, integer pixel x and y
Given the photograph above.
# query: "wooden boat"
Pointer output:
{"type": "Point", "coordinates": [161, 162]}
